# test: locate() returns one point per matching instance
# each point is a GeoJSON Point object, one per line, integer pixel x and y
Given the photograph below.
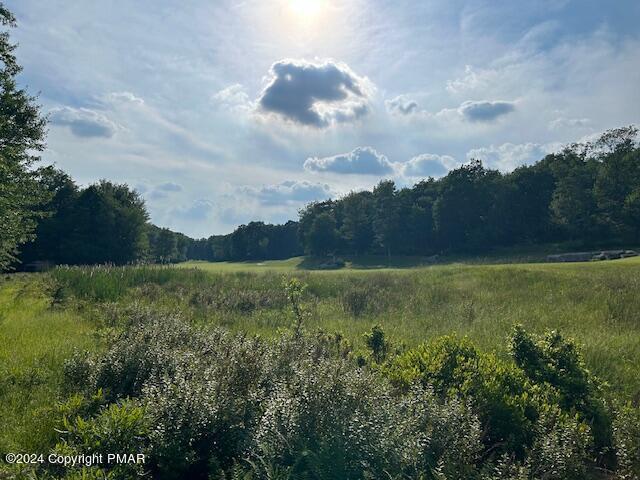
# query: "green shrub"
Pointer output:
{"type": "Point", "coordinates": [507, 404]}
{"type": "Point", "coordinates": [331, 421]}
{"type": "Point", "coordinates": [118, 428]}
{"type": "Point", "coordinates": [560, 452]}
{"type": "Point", "coordinates": [218, 405]}
{"type": "Point", "coordinates": [377, 343]}
{"type": "Point", "coordinates": [555, 361]}
{"type": "Point", "coordinates": [626, 434]}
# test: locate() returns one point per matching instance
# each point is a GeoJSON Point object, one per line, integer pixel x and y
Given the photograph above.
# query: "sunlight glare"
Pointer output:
{"type": "Point", "coordinates": [306, 9]}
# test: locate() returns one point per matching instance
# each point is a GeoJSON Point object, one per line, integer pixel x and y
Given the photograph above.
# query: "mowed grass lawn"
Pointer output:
{"type": "Point", "coordinates": [596, 303]}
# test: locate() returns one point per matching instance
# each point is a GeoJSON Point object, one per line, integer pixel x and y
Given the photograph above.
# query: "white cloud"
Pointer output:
{"type": "Point", "coordinates": [508, 156]}
{"type": "Point", "coordinates": [362, 161]}
{"type": "Point", "coordinates": [470, 81]}
{"type": "Point", "coordinates": [233, 98]}
{"type": "Point", "coordinates": [288, 193]}
{"type": "Point", "coordinates": [569, 123]}
{"type": "Point", "coordinates": [124, 97]}
{"type": "Point", "coordinates": [427, 165]}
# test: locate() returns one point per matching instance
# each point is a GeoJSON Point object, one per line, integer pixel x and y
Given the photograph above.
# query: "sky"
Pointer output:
{"type": "Point", "coordinates": [219, 112]}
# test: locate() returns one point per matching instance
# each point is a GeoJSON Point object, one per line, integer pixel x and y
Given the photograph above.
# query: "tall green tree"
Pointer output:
{"type": "Point", "coordinates": [618, 181]}
{"type": "Point", "coordinates": [166, 247]}
{"type": "Point", "coordinates": [573, 205]}
{"type": "Point", "coordinates": [22, 132]}
{"type": "Point", "coordinates": [386, 220]}
{"type": "Point", "coordinates": [462, 212]}
{"type": "Point", "coordinates": [55, 230]}
{"type": "Point", "coordinates": [110, 225]}
{"type": "Point", "coordinates": [357, 223]}
{"type": "Point", "coordinates": [322, 235]}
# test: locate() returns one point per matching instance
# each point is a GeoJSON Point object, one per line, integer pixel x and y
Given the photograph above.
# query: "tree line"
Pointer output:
{"type": "Point", "coordinates": [108, 223]}
{"type": "Point", "coordinates": [586, 194]}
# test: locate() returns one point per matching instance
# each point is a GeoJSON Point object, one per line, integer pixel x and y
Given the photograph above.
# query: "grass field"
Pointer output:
{"type": "Point", "coordinates": [35, 339]}
{"type": "Point", "coordinates": [595, 303]}
{"type": "Point", "coordinates": [44, 318]}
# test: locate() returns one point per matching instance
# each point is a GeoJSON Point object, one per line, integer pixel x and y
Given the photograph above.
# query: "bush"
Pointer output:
{"type": "Point", "coordinates": [118, 428]}
{"type": "Point", "coordinates": [377, 343]}
{"type": "Point", "coordinates": [298, 405]}
{"type": "Point", "coordinates": [507, 403]}
{"type": "Point", "coordinates": [332, 421]}
{"type": "Point", "coordinates": [552, 360]}
{"type": "Point", "coordinates": [626, 434]}
{"type": "Point", "coordinates": [209, 404]}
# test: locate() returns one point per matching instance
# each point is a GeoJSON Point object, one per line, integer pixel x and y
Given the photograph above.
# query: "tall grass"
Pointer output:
{"type": "Point", "coordinates": [596, 304]}
{"type": "Point", "coordinates": [104, 282]}
{"type": "Point", "coordinates": [35, 339]}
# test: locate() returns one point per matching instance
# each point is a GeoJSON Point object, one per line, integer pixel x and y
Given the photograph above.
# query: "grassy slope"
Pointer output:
{"type": "Point", "coordinates": [595, 303]}
{"type": "Point", "coordinates": [34, 342]}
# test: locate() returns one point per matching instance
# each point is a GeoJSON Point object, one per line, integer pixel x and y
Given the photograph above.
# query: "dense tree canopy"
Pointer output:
{"type": "Point", "coordinates": [103, 223]}
{"type": "Point", "coordinates": [22, 132]}
{"type": "Point", "coordinates": [587, 193]}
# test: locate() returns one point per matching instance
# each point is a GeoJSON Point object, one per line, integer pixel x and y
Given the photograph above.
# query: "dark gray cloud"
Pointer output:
{"type": "Point", "coordinates": [362, 160]}
{"type": "Point", "coordinates": [289, 192]}
{"type": "Point", "coordinates": [83, 122]}
{"type": "Point", "coordinates": [401, 105]}
{"type": "Point", "coordinates": [315, 94]}
{"type": "Point", "coordinates": [428, 165]}
{"type": "Point", "coordinates": [485, 111]}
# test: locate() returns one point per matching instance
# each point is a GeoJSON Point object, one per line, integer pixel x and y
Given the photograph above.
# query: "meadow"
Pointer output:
{"type": "Point", "coordinates": [47, 320]}
{"type": "Point", "coordinates": [595, 303]}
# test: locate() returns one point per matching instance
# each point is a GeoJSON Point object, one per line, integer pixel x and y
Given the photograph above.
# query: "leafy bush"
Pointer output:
{"type": "Point", "coordinates": [298, 405]}
{"type": "Point", "coordinates": [209, 404]}
{"type": "Point", "coordinates": [506, 402]}
{"type": "Point", "coordinates": [555, 361]}
{"type": "Point", "coordinates": [377, 343]}
{"type": "Point", "coordinates": [626, 434]}
{"type": "Point", "coordinates": [332, 421]}
{"type": "Point", "coordinates": [117, 428]}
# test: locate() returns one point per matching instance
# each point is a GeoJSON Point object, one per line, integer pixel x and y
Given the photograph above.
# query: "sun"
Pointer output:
{"type": "Point", "coordinates": [307, 9]}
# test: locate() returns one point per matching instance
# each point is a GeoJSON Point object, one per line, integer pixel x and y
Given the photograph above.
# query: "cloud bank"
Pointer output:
{"type": "Point", "coordinates": [509, 156]}
{"type": "Point", "coordinates": [428, 165]}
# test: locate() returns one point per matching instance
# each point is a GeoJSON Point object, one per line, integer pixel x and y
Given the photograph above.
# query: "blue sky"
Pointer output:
{"type": "Point", "coordinates": [220, 112]}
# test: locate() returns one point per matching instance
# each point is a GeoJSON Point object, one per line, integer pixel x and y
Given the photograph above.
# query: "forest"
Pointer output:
{"type": "Point", "coordinates": [586, 195]}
